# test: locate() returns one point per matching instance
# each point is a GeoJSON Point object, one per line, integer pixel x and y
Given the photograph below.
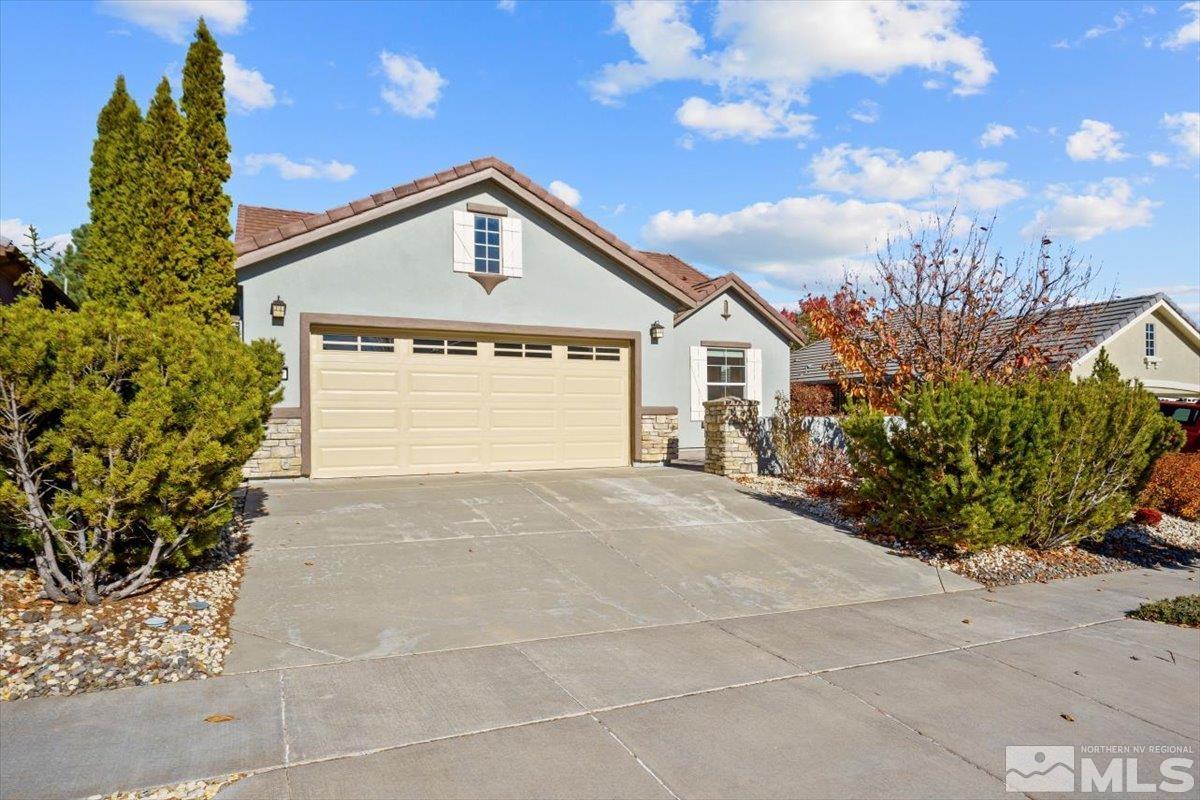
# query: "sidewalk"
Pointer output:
{"type": "Point", "coordinates": [782, 704]}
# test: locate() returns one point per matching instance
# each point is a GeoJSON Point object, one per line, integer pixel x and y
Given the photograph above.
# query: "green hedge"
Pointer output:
{"type": "Point", "coordinates": [1042, 463]}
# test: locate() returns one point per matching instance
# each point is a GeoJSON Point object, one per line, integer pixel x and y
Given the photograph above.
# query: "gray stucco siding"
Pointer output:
{"type": "Point", "coordinates": [401, 266]}
{"type": "Point", "coordinates": [745, 324]}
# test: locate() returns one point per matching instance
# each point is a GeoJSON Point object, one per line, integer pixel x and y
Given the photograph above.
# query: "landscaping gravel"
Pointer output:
{"type": "Point", "coordinates": [176, 630]}
{"type": "Point", "coordinates": [1127, 546]}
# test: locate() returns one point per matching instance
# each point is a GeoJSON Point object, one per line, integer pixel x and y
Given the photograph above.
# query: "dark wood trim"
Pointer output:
{"type": "Point", "coordinates": [658, 410]}
{"type": "Point", "coordinates": [736, 345]}
{"type": "Point", "coordinates": [286, 412]}
{"type": "Point", "coordinates": [310, 320]}
{"type": "Point", "coordinates": [484, 208]}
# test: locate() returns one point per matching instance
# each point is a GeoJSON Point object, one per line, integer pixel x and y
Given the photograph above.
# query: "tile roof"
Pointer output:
{"type": "Point", "coordinates": [257, 232]}
{"type": "Point", "coordinates": [253, 220]}
{"type": "Point", "coordinates": [1071, 332]}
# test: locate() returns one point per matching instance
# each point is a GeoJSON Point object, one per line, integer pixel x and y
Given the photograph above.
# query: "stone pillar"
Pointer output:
{"type": "Point", "coordinates": [660, 434]}
{"type": "Point", "coordinates": [279, 454]}
{"type": "Point", "coordinates": [730, 425]}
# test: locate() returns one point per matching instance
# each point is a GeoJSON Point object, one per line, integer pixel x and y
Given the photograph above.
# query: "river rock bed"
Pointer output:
{"type": "Point", "coordinates": [191, 790]}
{"type": "Point", "coordinates": [49, 648]}
{"type": "Point", "coordinates": [1131, 545]}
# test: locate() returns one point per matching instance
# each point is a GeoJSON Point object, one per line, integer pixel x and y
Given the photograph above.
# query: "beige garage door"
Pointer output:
{"type": "Point", "coordinates": [397, 403]}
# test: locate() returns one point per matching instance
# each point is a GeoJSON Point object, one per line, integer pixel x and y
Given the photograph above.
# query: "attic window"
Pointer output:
{"type": "Point", "coordinates": [487, 244]}
{"type": "Point", "coordinates": [1151, 350]}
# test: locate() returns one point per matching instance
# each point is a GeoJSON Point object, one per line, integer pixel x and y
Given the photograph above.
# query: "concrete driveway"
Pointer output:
{"type": "Point", "coordinates": [354, 569]}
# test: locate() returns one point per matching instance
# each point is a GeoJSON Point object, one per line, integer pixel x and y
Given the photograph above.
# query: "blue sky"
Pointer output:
{"type": "Point", "coordinates": [782, 141]}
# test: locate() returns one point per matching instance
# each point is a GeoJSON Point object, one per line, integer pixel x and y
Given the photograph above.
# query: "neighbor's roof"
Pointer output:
{"type": "Point", "coordinates": [1081, 329]}
{"type": "Point", "coordinates": [14, 263]}
{"type": "Point", "coordinates": [261, 228]}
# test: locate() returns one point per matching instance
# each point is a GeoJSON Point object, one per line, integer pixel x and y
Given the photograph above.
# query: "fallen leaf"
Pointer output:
{"type": "Point", "coordinates": [966, 622]}
{"type": "Point", "coordinates": [219, 718]}
{"type": "Point", "coordinates": [308, 563]}
{"type": "Point", "coordinates": [1067, 717]}
{"type": "Point", "coordinates": [1134, 658]}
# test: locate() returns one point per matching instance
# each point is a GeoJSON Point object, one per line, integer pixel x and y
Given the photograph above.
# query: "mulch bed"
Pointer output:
{"type": "Point", "coordinates": [49, 648]}
{"type": "Point", "coordinates": [1174, 542]}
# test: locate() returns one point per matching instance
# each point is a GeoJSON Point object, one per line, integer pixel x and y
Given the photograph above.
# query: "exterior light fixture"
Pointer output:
{"type": "Point", "coordinates": [278, 309]}
{"type": "Point", "coordinates": [656, 331]}
{"type": "Point", "coordinates": [285, 373]}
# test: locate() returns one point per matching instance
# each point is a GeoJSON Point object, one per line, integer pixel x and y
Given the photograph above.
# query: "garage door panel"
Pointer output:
{"type": "Point", "coordinates": [438, 383]}
{"type": "Point", "coordinates": [349, 419]}
{"type": "Point", "coordinates": [400, 412]}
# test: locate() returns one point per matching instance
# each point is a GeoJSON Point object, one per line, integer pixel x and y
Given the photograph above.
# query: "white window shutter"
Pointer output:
{"type": "Point", "coordinates": [699, 382]}
{"type": "Point", "coordinates": [754, 375]}
{"type": "Point", "coordinates": [464, 241]}
{"type": "Point", "coordinates": [510, 247]}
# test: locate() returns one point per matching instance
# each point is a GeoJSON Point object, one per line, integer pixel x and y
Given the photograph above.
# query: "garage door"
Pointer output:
{"type": "Point", "coordinates": [397, 403]}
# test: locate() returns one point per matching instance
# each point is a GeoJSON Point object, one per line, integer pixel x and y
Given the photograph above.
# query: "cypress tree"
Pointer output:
{"type": "Point", "coordinates": [114, 198]}
{"type": "Point", "coordinates": [163, 246]}
{"type": "Point", "coordinates": [213, 284]}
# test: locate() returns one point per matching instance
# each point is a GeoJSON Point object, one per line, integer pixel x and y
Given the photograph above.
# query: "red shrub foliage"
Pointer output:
{"type": "Point", "coordinates": [1147, 516]}
{"type": "Point", "coordinates": [812, 400]}
{"type": "Point", "coordinates": [1174, 485]}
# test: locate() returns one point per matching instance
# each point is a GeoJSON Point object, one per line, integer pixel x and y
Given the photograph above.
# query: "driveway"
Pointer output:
{"type": "Point", "coordinates": [354, 569]}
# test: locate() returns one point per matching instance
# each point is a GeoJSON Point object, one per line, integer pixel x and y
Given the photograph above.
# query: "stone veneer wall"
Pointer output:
{"type": "Point", "coordinates": [279, 454]}
{"type": "Point", "coordinates": [729, 436]}
{"type": "Point", "coordinates": [660, 434]}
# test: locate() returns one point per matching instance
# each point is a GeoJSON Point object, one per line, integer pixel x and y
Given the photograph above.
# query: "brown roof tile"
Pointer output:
{"type": "Point", "coordinates": [253, 220]}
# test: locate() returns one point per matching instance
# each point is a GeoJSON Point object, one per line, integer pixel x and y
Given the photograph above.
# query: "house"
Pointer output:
{"type": "Point", "coordinates": [13, 264]}
{"type": "Point", "coordinates": [1147, 337]}
{"type": "Point", "coordinates": [470, 321]}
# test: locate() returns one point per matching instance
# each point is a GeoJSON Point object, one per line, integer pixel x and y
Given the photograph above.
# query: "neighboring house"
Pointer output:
{"type": "Point", "coordinates": [470, 321]}
{"type": "Point", "coordinates": [1148, 337]}
{"type": "Point", "coordinates": [13, 264]}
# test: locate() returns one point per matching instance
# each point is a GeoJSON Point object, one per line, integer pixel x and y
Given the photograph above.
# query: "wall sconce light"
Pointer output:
{"type": "Point", "coordinates": [656, 331]}
{"type": "Point", "coordinates": [278, 309]}
{"type": "Point", "coordinates": [285, 373]}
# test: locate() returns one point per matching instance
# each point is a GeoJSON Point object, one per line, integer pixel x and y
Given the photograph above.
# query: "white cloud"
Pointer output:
{"type": "Point", "coordinates": [866, 112]}
{"type": "Point", "coordinates": [937, 176]}
{"type": "Point", "coordinates": [1186, 131]}
{"type": "Point", "coordinates": [1119, 21]}
{"type": "Point", "coordinates": [1189, 32]}
{"type": "Point", "coordinates": [792, 243]}
{"type": "Point", "coordinates": [744, 120]}
{"type": "Point", "coordinates": [507, 6]}
{"type": "Point", "coordinates": [995, 134]}
{"type": "Point", "coordinates": [413, 89]}
{"type": "Point", "coordinates": [770, 53]}
{"type": "Point", "coordinates": [1104, 207]}
{"type": "Point", "coordinates": [1095, 140]}
{"type": "Point", "coordinates": [175, 19]}
{"type": "Point", "coordinates": [246, 87]}
{"type": "Point", "coordinates": [290, 170]}
{"type": "Point", "coordinates": [565, 192]}
{"type": "Point", "coordinates": [17, 231]}
{"type": "Point", "coordinates": [1158, 159]}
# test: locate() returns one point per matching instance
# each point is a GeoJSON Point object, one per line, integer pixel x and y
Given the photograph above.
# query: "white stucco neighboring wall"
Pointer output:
{"type": "Point", "coordinates": [1175, 370]}
{"type": "Point", "coordinates": [401, 266]}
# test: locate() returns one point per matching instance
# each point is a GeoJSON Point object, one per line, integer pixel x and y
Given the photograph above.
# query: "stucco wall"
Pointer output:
{"type": "Point", "coordinates": [743, 325]}
{"type": "Point", "coordinates": [400, 266]}
{"type": "Point", "coordinates": [1179, 360]}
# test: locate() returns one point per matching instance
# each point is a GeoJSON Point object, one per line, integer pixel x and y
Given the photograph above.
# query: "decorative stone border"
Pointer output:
{"type": "Point", "coordinates": [660, 434]}
{"type": "Point", "coordinates": [730, 433]}
{"type": "Point", "coordinates": [279, 454]}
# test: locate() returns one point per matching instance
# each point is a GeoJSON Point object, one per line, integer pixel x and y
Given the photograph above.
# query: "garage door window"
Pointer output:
{"type": "Point", "coordinates": [522, 350]}
{"type": "Point", "coordinates": [588, 353]}
{"type": "Point", "coordinates": [445, 347]}
{"type": "Point", "coordinates": [353, 343]}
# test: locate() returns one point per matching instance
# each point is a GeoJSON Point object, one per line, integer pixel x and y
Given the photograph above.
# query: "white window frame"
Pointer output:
{"type": "Point", "coordinates": [744, 383]}
{"type": "Point", "coordinates": [492, 226]}
{"type": "Point", "coordinates": [1151, 341]}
